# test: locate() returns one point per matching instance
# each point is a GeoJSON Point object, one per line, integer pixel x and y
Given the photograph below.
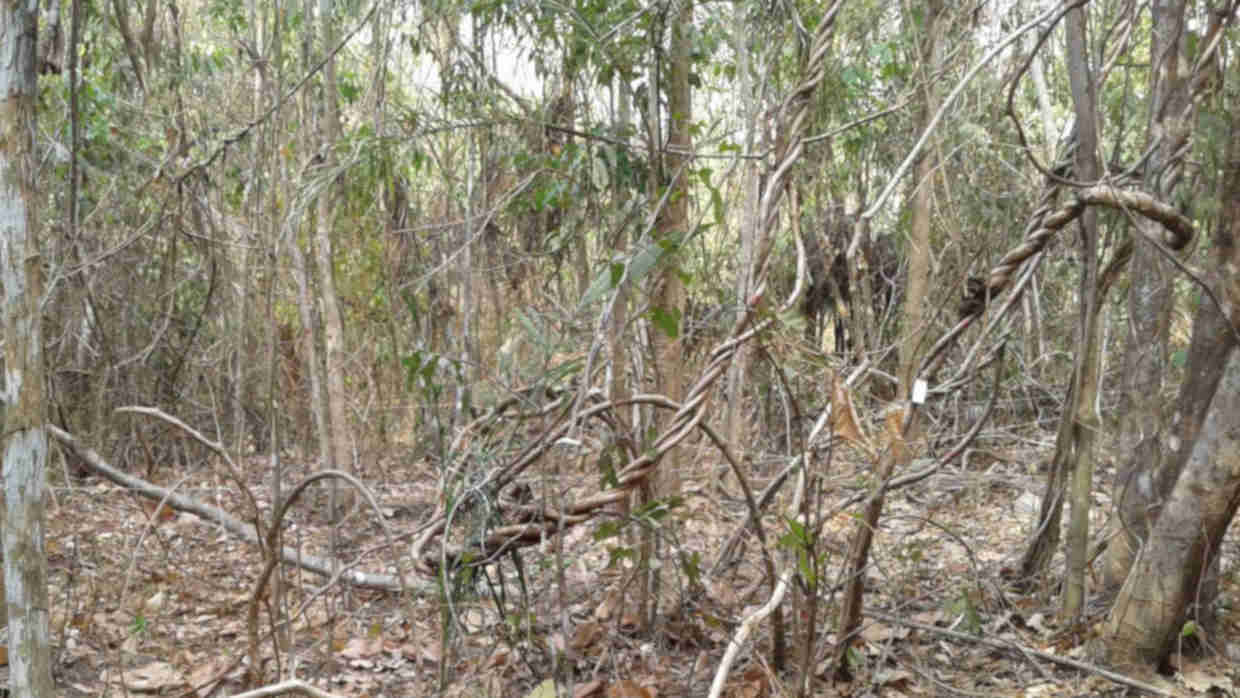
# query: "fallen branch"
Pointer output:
{"type": "Point", "coordinates": [238, 528]}
{"type": "Point", "coordinates": [1010, 646]}
{"type": "Point", "coordinates": [285, 688]}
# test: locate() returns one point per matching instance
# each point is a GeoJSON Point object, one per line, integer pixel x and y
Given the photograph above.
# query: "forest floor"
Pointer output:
{"type": "Point", "coordinates": [158, 604]}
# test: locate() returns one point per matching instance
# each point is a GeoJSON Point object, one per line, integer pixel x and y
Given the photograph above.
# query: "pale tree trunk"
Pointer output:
{"type": "Point", "coordinates": [749, 98]}
{"type": "Point", "coordinates": [1083, 411]}
{"type": "Point", "coordinates": [267, 91]}
{"type": "Point", "coordinates": [913, 324]}
{"type": "Point", "coordinates": [333, 326]}
{"type": "Point", "coordinates": [25, 440]}
{"type": "Point", "coordinates": [300, 268]}
{"type": "Point", "coordinates": [310, 348]}
{"type": "Point", "coordinates": [1034, 341]}
{"type": "Point", "coordinates": [1141, 478]}
{"type": "Point", "coordinates": [253, 204]}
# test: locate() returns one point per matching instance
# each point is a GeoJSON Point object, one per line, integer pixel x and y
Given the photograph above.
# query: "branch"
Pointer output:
{"type": "Point", "coordinates": [1007, 646]}
{"type": "Point", "coordinates": [228, 522]}
{"type": "Point", "coordinates": [746, 627]}
{"type": "Point", "coordinates": [287, 687]}
{"type": "Point", "coordinates": [938, 116]}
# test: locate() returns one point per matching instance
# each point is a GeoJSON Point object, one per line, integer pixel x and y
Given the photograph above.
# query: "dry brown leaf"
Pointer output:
{"type": "Point", "coordinates": [609, 605]}
{"type": "Point", "coordinates": [585, 635]}
{"type": "Point", "coordinates": [206, 671]}
{"type": "Point", "coordinates": [881, 632]}
{"type": "Point", "coordinates": [749, 689]}
{"type": "Point", "coordinates": [626, 688]}
{"type": "Point", "coordinates": [360, 647]}
{"type": "Point", "coordinates": [629, 624]}
{"type": "Point", "coordinates": [498, 658]}
{"type": "Point", "coordinates": [155, 677]}
{"type": "Point", "coordinates": [165, 513]}
{"type": "Point", "coordinates": [592, 689]}
{"type": "Point", "coordinates": [844, 421]}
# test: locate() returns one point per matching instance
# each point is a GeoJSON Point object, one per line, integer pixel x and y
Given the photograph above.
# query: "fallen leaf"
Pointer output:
{"type": "Point", "coordinates": [628, 689]}
{"type": "Point", "coordinates": [546, 689]}
{"type": "Point", "coordinates": [589, 690]}
{"type": "Point", "coordinates": [585, 635]}
{"type": "Point", "coordinates": [359, 647]}
{"type": "Point", "coordinates": [155, 677]}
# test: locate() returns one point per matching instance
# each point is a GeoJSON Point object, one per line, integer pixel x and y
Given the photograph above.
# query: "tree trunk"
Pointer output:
{"type": "Point", "coordinates": [23, 410]}
{"type": "Point", "coordinates": [333, 326]}
{"type": "Point", "coordinates": [1084, 411]}
{"type": "Point", "coordinates": [1149, 301]}
{"type": "Point", "coordinates": [1168, 572]}
{"type": "Point", "coordinates": [747, 96]}
{"type": "Point", "coordinates": [913, 323]}
{"type": "Point", "coordinates": [671, 228]}
{"type": "Point", "coordinates": [1147, 619]}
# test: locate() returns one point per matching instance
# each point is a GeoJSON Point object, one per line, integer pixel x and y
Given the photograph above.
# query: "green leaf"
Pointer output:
{"type": "Point", "coordinates": [658, 509]}
{"type": "Point", "coordinates": [667, 320]}
{"type": "Point", "coordinates": [619, 554]}
{"type": "Point", "coordinates": [1179, 357]}
{"type": "Point", "coordinates": [691, 564]}
{"type": "Point", "coordinates": [806, 570]}
{"type": "Point", "coordinates": [797, 537]}
{"type": "Point", "coordinates": [607, 529]}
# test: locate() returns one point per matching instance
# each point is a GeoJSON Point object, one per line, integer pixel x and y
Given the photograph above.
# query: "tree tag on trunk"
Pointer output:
{"type": "Point", "coordinates": [919, 392]}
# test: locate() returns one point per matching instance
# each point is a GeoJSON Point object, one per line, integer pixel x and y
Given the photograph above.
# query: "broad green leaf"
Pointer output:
{"type": "Point", "coordinates": [667, 320]}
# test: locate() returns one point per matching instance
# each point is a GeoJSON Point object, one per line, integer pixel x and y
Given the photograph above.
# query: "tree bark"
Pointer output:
{"type": "Point", "coordinates": [333, 326]}
{"type": "Point", "coordinates": [1149, 301]}
{"type": "Point", "coordinates": [749, 99]}
{"type": "Point", "coordinates": [1148, 616]}
{"type": "Point", "coordinates": [668, 297]}
{"type": "Point", "coordinates": [1083, 412]}
{"type": "Point", "coordinates": [673, 225]}
{"type": "Point", "coordinates": [913, 324]}
{"type": "Point", "coordinates": [1170, 569]}
{"type": "Point", "coordinates": [23, 408]}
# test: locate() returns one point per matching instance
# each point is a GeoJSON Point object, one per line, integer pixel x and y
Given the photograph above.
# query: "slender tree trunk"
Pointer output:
{"type": "Point", "coordinates": [913, 324]}
{"type": "Point", "coordinates": [668, 298]}
{"type": "Point", "coordinates": [22, 407]}
{"type": "Point", "coordinates": [1084, 411]}
{"type": "Point", "coordinates": [673, 226]}
{"type": "Point", "coordinates": [619, 388]}
{"type": "Point", "coordinates": [749, 99]}
{"type": "Point", "coordinates": [333, 325]}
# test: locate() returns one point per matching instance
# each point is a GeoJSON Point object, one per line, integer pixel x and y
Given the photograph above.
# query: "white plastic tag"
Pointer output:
{"type": "Point", "coordinates": [919, 392]}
